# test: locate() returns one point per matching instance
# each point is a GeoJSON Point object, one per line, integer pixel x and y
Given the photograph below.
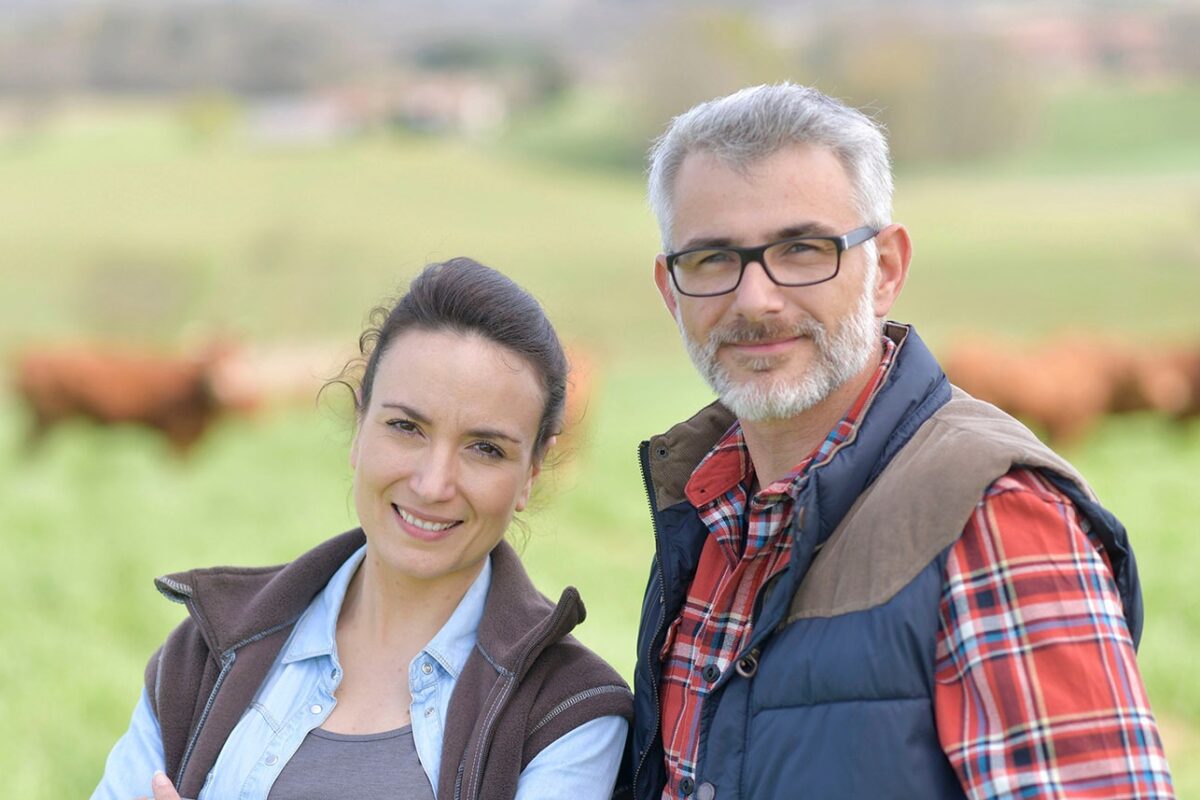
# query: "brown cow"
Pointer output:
{"type": "Point", "coordinates": [1066, 385]}
{"type": "Point", "coordinates": [1170, 377]}
{"type": "Point", "coordinates": [173, 394]}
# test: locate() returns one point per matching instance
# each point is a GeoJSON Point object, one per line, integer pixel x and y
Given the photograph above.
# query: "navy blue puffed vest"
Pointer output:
{"type": "Point", "coordinates": [832, 697]}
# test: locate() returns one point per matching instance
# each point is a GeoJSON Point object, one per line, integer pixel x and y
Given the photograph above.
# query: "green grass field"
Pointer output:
{"type": "Point", "coordinates": [114, 224]}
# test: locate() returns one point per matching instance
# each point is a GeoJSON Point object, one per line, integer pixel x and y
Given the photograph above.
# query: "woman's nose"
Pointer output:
{"type": "Point", "coordinates": [433, 479]}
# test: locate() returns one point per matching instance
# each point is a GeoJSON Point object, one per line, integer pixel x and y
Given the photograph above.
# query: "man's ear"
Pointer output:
{"type": "Point", "coordinates": [662, 279]}
{"type": "Point", "coordinates": [895, 253]}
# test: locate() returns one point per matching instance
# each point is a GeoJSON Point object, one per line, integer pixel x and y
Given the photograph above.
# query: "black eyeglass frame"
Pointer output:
{"type": "Point", "coordinates": [751, 254]}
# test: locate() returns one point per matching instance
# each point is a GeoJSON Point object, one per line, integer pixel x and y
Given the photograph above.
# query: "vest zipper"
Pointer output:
{"type": "Point", "coordinates": [575, 700]}
{"type": "Point", "coordinates": [493, 713]}
{"type": "Point", "coordinates": [644, 461]}
{"type": "Point", "coordinates": [227, 659]}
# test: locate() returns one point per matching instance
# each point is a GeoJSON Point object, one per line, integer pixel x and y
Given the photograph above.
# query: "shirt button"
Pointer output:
{"type": "Point", "coordinates": [426, 668]}
{"type": "Point", "coordinates": [706, 791]}
{"type": "Point", "coordinates": [271, 760]}
{"type": "Point", "coordinates": [686, 786]}
{"type": "Point", "coordinates": [710, 673]}
{"type": "Point", "coordinates": [429, 711]}
{"type": "Point", "coordinates": [316, 709]}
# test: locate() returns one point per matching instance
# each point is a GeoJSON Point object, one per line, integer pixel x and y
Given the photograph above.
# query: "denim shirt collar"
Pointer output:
{"type": "Point", "coordinates": [315, 633]}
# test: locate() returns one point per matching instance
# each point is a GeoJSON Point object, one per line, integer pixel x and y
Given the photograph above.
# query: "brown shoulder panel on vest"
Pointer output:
{"type": "Point", "coordinates": [918, 506]}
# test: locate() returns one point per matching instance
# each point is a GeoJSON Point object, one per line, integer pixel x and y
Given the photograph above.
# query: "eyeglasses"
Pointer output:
{"type": "Point", "coordinates": [799, 261]}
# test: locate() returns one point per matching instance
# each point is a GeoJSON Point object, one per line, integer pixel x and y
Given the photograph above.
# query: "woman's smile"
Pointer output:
{"type": "Point", "coordinates": [424, 527]}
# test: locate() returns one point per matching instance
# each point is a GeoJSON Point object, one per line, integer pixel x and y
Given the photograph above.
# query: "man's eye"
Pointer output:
{"type": "Point", "coordinates": [715, 258]}
{"type": "Point", "coordinates": [403, 425]}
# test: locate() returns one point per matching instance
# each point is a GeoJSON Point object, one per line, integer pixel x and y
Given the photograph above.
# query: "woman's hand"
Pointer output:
{"type": "Point", "coordinates": [163, 788]}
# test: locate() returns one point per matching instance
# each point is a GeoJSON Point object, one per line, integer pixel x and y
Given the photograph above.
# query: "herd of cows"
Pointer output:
{"type": "Point", "coordinates": [1063, 386]}
{"type": "Point", "coordinates": [181, 395]}
{"type": "Point", "coordinates": [178, 394]}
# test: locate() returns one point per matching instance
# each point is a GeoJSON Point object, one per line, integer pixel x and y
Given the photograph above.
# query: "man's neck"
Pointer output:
{"type": "Point", "coordinates": [776, 446]}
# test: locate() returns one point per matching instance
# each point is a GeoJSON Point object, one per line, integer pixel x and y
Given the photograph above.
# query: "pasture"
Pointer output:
{"type": "Point", "coordinates": [116, 225]}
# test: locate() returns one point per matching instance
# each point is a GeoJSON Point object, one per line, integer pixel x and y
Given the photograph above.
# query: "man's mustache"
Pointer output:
{"type": "Point", "coordinates": [742, 331]}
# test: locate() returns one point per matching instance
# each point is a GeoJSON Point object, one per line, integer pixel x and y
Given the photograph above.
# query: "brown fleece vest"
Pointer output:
{"type": "Point", "coordinates": [526, 683]}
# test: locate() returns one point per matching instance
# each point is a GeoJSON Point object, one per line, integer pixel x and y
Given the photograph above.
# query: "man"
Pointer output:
{"type": "Point", "coordinates": [866, 583]}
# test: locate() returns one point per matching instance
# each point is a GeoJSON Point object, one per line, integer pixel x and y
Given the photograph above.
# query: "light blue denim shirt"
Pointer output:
{"type": "Point", "coordinates": [298, 694]}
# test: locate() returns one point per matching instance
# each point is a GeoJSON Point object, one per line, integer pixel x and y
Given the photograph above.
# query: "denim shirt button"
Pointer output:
{"type": "Point", "coordinates": [426, 668]}
{"type": "Point", "coordinates": [429, 711]}
{"type": "Point", "coordinates": [271, 760]}
{"type": "Point", "coordinates": [316, 709]}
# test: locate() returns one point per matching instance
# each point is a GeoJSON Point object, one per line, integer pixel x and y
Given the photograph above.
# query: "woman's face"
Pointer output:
{"type": "Point", "coordinates": [443, 455]}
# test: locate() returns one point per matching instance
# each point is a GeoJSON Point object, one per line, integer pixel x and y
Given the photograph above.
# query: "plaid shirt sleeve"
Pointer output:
{"type": "Point", "coordinates": [1037, 691]}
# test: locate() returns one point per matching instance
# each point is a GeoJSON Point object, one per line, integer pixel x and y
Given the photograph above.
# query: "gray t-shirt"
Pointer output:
{"type": "Point", "coordinates": [330, 766]}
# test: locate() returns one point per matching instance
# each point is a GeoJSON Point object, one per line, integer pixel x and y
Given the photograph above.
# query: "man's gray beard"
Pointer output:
{"type": "Point", "coordinates": [839, 357]}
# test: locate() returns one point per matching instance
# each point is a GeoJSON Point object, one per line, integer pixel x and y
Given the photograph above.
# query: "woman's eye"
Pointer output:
{"type": "Point", "coordinates": [488, 449]}
{"type": "Point", "coordinates": [402, 425]}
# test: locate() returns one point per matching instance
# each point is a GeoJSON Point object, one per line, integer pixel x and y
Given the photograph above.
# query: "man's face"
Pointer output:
{"type": "Point", "coordinates": [773, 352]}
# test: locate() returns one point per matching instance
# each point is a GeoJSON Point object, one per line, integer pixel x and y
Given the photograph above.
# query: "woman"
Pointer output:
{"type": "Point", "coordinates": [411, 657]}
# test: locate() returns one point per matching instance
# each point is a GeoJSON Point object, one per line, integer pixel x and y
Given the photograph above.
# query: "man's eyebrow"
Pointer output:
{"type": "Point", "coordinates": [790, 232]}
{"type": "Point", "coordinates": [805, 229]}
{"type": "Point", "coordinates": [479, 433]}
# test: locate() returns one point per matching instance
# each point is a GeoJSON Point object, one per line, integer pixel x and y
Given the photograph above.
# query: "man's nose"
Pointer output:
{"type": "Point", "coordinates": [757, 295]}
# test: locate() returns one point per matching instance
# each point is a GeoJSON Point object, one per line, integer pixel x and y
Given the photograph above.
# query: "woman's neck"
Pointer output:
{"type": "Point", "coordinates": [397, 610]}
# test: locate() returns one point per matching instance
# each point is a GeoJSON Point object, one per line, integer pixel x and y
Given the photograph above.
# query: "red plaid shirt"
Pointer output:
{"type": "Point", "coordinates": [1037, 691]}
{"type": "Point", "coordinates": [735, 563]}
{"type": "Point", "coordinates": [1037, 688]}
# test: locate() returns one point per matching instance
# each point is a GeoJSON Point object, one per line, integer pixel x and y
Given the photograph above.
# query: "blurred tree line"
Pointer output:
{"type": "Point", "coordinates": [945, 90]}
{"type": "Point", "coordinates": [156, 49]}
{"type": "Point", "coordinates": [945, 84]}
{"type": "Point", "coordinates": [240, 49]}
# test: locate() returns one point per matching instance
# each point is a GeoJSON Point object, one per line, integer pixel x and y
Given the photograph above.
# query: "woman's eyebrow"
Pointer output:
{"type": "Point", "coordinates": [408, 411]}
{"type": "Point", "coordinates": [480, 433]}
{"type": "Point", "coordinates": [493, 433]}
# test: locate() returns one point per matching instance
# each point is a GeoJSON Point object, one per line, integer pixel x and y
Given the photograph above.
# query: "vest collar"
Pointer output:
{"type": "Point", "coordinates": [234, 605]}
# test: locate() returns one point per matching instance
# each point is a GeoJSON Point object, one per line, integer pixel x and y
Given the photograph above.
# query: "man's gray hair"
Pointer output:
{"type": "Point", "coordinates": [754, 123]}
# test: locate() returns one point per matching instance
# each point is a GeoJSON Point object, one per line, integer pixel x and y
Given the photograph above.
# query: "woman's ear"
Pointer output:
{"type": "Point", "coordinates": [354, 442]}
{"type": "Point", "coordinates": [535, 469]}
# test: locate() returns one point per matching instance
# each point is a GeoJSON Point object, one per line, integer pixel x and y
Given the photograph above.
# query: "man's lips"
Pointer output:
{"type": "Point", "coordinates": [764, 347]}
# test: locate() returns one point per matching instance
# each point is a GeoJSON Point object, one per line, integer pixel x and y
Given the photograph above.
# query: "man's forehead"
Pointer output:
{"type": "Point", "coordinates": [794, 191]}
{"type": "Point", "coordinates": [747, 164]}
